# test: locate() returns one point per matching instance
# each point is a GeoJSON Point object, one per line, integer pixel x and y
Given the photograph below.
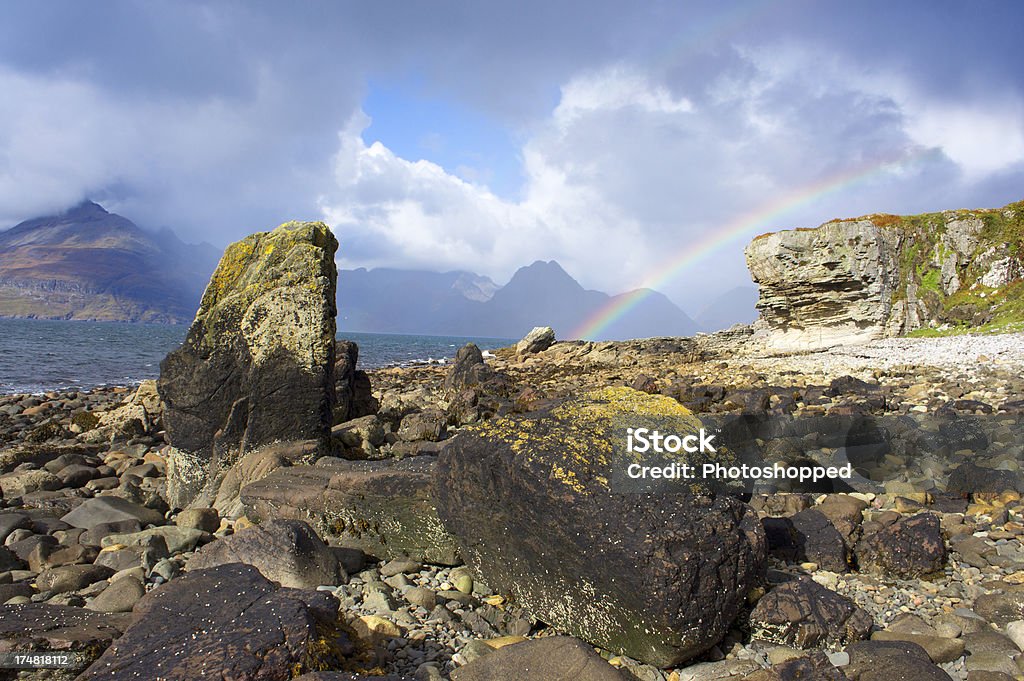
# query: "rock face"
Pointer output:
{"type": "Point", "coordinates": [885, 275]}
{"type": "Point", "coordinates": [385, 508]}
{"type": "Point", "coordinates": [257, 365]}
{"type": "Point", "coordinates": [657, 576]}
{"type": "Point", "coordinates": [227, 622]}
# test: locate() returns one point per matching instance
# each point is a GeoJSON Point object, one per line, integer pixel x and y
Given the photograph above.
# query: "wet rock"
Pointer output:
{"type": "Point", "coordinates": [815, 666]}
{"type": "Point", "coordinates": [384, 508]}
{"type": "Point", "coordinates": [257, 365]}
{"type": "Point", "coordinates": [804, 614]}
{"type": "Point", "coordinates": [286, 551]}
{"type": "Point", "coordinates": [910, 547]}
{"type": "Point", "coordinates": [553, 658]}
{"type": "Point", "coordinates": [539, 339]}
{"type": "Point", "coordinates": [226, 622]}
{"type": "Point", "coordinates": [659, 577]}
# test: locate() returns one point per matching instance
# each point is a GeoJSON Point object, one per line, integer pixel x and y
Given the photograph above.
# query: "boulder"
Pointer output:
{"type": "Point", "coordinates": [385, 508]}
{"type": "Point", "coordinates": [226, 622]}
{"type": "Point", "coordinates": [346, 354]}
{"type": "Point", "coordinates": [807, 536]}
{"type": "Point", "coordinates": [468, 370]}
{"type": "Point", "coordinates": [538, 340]}
{"type": "Point", "coordinates": [286, 551]}
{"type": "Point", "coordinates": [255, 466]}
{"type": "Point", "coordinates": [804, 614]}
{"type": "Point", "coordinates": [910, 547]}
{"type": "Point", "coordinates": [552, 658]}
{"type": "Point", "coordinates": [108, 509]}
{"type": "Point", "coordinates": [533, 500]}
{"type": "Point", "coordinates": [891, 661]}
{"type": "Point", "coordinates": [257, 365]}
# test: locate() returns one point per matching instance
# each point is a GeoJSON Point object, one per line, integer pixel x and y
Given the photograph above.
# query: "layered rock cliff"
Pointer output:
{"type": "Point", "coordinates": [886, 275]}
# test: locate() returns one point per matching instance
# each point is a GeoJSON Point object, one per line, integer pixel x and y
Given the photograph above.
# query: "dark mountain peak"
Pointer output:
{"type": "Point", "coordinates": [84, 210]}
{"type": "Point", "coordinates": [542, 276]}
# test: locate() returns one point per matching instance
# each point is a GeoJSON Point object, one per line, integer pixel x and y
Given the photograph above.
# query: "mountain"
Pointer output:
{"type": "Point", "coordinates": [87, 263]}
{"type": "Point", "coordinates": [462, 303]}
{"type": "Point", "coordinates": [385, 300]}
{"type": "Point", "coordinates": [735, 306]}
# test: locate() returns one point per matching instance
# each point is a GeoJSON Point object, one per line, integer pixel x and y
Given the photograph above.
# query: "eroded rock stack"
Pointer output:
{"type": "Point", "coordinates": [257, 365]}
{"type": "Point", "coordinates": [887, 275]}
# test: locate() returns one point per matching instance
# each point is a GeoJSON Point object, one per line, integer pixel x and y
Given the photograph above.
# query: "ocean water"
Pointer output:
{"type": "Point", "coordinates": [42, 355]}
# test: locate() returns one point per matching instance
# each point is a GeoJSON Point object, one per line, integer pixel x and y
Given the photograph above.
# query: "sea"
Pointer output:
{"type": "Point", "coordinates": [42, 355]}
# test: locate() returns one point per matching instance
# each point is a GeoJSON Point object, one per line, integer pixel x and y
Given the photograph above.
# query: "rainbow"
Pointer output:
{"type": "Point", "coordinates": [742, 225]}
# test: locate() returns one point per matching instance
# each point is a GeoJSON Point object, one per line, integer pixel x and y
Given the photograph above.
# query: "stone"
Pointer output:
{"type": "Point", "coordinates": [120, 596]}
{"type": "Point", "coordinates": [468, 370]}
{"type": "Point", "coordinates": [1015, 632]}
{"type": "Point", "coordinates": [346, 355]}
{"type": "Point", "coordinates": [804, 614]}
{"type": "Point", "coordinates": [255, 466]}
{"type": "Point", "coordinates": [257, 365]}
{"type": "Point", "coordinates": [400, 567]}
{"type": "Point", "coordinates": [539, 339]}
{"type": "Point", "coordinates": [1000, 608]}
{"type": "Point", "coordinates": [427, 425]}
{"type": "Point", "coordinates": [202, 519]}
{"type": "Point", "coordinates": [177, 539]}
{"type": "Point", "coordinates": [286, 551]}
{"type": "Point", "coordinates": [110, 509]}
{"type": "Point", "coordinates": [41, 627]}
{"type": "Point", "coordinates": [384, 508]}
{"type": "Point", "coordinates": [910, 547]}
{"type": "Point", "coordinates": [891, 661]}
{"type": "Point", "coordinates": [9, 522]}
{"type": "Point", "coordinates": [816, 666]}
{"type": "Point", "coordinates": [20, 483]}
{"type": "Point", "coordinates": [71, 577]}
{"type": "Point", "coordinates": [552, 658]}
{"type": "Point", "coordinates": [807, 536]}
{"type": "Point", "coordinates": [939, 649]}
{"type": "Point", "coordinates": [226, 622]}
{"type": "Point", "coordinates": [10, 560]}
{"type": "Point", "coordinates": [968, 478]}
{"type": "Point", "coordinates": [657, 577]}
{"type": "Point", "coordinates": [421, 596]}
{"type": "Point", "coordinates": [374, 629]}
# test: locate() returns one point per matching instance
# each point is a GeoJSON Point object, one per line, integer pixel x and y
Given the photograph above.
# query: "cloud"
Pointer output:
{"type": "Point", "coordinates": [626, 173]}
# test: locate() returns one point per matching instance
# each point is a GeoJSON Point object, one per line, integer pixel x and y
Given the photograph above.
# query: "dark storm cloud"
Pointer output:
{"type": "Point", "coordinates": [639, 127]}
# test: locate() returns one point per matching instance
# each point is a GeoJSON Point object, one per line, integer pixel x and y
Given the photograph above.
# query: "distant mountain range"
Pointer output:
{"type": "Point", "coordinates": [463, 303]}
{"type": "Point", "coordinates": [87, 263]}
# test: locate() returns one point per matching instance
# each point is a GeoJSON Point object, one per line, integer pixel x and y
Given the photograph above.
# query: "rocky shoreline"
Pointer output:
{"type": "Point", "coordinates": [85, 524]}
{"type": "Point", "coordinates": [266, 510]}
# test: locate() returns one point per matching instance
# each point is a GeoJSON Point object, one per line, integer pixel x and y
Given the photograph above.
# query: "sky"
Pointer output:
{"type": "Point", "coordinates": [638, 144]}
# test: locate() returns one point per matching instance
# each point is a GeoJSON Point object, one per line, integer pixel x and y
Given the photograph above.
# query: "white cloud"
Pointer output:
{"type": "Point", "coordinates": [625, 176]}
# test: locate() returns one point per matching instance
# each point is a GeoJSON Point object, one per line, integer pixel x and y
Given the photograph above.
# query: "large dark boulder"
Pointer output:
{"type": "Point", "coordinates": [535, 505]}
{"type": "Point", "coordinates": [384, 508]}
{"type": "Point", "coordinates": [257, 365]}
{"type": "Point", "coordinates": [227, 622]}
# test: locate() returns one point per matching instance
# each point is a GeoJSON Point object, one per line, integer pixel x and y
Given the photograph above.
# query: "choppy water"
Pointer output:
{"type": "Point", "coordinates": [42, 355]}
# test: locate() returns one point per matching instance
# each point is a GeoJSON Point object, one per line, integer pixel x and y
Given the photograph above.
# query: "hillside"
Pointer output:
{"type": "Point", "coordinates": [87, 263]}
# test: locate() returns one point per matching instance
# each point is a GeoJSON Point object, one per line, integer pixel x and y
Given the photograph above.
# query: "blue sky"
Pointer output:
{"type": "Point", "coordinates": [483, 136]}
